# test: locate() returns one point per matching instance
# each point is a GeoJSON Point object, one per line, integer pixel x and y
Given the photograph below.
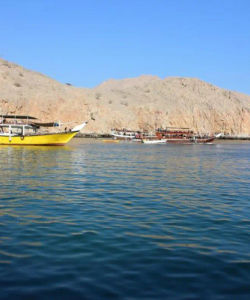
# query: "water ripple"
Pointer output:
{"type": "Point", "coordinates": [123, 220]}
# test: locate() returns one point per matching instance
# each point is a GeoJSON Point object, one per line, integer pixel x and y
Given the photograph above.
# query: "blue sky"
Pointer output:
{"type": "Point", "coordinates": [88, 42]}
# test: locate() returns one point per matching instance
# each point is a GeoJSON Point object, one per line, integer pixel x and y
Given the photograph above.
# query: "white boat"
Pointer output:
{"type": "Point", "coordinates": [148, 141]}
{"type": "Point", "coordinates": [123, 135]}
{"type": "Point", "coordinates": [131, 135]}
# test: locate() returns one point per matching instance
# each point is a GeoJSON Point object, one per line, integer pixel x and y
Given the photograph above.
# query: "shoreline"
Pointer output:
{"type": "Point", "coordinates": [239, 138]}
{"type": "Point", "coordinates": [99, 136]}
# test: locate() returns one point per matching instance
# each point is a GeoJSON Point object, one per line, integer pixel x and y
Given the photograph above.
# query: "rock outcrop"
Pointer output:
{"type": "Point", "coordinates": [145, 102]}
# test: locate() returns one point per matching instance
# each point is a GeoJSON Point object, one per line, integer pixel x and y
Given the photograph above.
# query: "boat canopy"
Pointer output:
{"type": "Point", "coordinates": [49, 124]}
{"type": "Point", "coordinates": [25, 120]}
{"type": "Point", "coordinates": [171, 127]}
{"type": "Point", "coordinates": [18, 117]}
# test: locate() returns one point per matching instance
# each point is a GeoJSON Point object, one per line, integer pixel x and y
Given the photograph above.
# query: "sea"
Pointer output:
{"type": "Point", "coordinates": [96, 220]}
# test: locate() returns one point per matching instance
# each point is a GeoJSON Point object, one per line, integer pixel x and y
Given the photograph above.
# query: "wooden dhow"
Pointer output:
{"type": "Point", "coordinates": [25, 130]}
{"type": "Point", "coordinates": [174, 135]}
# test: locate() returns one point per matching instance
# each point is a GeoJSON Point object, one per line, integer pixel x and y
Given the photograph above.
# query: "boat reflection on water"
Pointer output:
{"type": "Point", "coordinates": [35, 148]}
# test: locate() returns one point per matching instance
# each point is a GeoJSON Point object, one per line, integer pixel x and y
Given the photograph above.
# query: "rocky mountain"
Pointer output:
{"type": "Point", "coordinates": [145, 102]}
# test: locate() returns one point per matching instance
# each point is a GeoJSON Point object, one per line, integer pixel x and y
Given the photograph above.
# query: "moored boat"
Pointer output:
{"type": "Point", "coordinates": [175, 135]}
{"type": "Point", "coordinates": [111, 141]}
{"type": "Point", "coordinates": [129, 135]}
{"type": "Point", "coordinates": [154, 141]}
{"type": "Point", "coordinates": [25, 130]}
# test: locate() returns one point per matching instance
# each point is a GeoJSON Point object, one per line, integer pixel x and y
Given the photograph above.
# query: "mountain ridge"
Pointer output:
{"type": "Point", "coordinates": [143, 102]}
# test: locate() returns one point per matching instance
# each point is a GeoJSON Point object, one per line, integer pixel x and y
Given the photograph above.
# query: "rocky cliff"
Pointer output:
{"type": "Point", "coordinates": [145, 102]}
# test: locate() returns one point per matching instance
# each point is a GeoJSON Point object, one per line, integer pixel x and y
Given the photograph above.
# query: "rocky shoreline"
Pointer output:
{"type": "Point", "coordinates": [99, 136]}
{"type": "Point", "coordinates": [242, 138]}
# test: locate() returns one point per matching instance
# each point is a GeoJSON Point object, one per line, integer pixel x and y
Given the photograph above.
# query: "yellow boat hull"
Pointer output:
{"type": "Point", "coordinates": [53, 139]}
{"type": "Point", "coordinates": [110, 141]}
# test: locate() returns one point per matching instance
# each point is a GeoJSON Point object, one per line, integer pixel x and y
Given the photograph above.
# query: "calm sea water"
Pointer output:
{"type": "Point", "coordinates": [94, 220]}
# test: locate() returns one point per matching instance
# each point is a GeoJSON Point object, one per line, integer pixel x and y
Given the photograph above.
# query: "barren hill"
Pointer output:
{"type": "Point", "coordinates": [145, 102]}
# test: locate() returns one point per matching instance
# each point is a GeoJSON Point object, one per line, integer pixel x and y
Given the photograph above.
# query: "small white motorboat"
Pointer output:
{"type": "Point", "coordinates": [156, 141]}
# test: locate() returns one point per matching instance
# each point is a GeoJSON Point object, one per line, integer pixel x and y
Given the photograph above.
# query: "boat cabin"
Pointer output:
{"type": "Point", "coordinates": [16, 125]}
{"type": "Point", "coordinates": [174, 132]}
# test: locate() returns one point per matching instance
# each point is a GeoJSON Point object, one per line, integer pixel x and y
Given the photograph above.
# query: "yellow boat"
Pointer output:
{"type": "Point", "coordinates": [23, 130]}
{"type": "Point", "coordinates": [110, 141]}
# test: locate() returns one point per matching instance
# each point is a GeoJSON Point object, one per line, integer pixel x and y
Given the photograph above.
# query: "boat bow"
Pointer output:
{"type": "Point", "coordinates": [77, 128]}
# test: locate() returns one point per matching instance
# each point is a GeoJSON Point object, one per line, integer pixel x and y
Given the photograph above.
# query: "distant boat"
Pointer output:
{"type": "Point", "coordinates": [110, 141]}
{"type": "Point", "coordinates": [129, 135]}
{"type": "Point", "coordinates": [174, 135]}
{"type": "Point", "coordinates": [154, 141]}
{"type": "Point", "coordinates": [24, 130]}
{"type": "Point", "coordinates": [124, 134]}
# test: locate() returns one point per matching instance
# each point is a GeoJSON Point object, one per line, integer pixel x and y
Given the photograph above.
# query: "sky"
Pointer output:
{"type": "Point", "coordinates": [86, 42]}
